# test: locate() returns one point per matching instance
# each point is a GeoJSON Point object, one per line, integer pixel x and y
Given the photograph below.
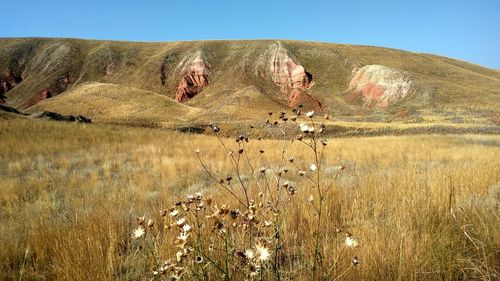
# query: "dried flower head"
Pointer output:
{"type": "Point", "coordinates": [173, 212]}
{"type": "Point", "coordinates": [151, 223]}
{"type": "Point", "coordinates": [310, 114]}
{"type": "Point", "coordinates": [351, 242]}
{"type": "Point", "coordinates": [356, 261]}
{"type": "Point", "coordinates": [186, 228]}
{"type": "Point", "coordinates": [249, 254]}
{"type": "Point", "coordinates": [138, 232]}
{"type": "Point", "coordinates": [197, 151]}
{"type": "Point", "coordinates": [180, 222]}
{"type": "Point", "coordinates": [313, 167]}
{"type": "Point", "coordinates": [141, 220]}
{"type": "Point", "coordinates": [262, 253]}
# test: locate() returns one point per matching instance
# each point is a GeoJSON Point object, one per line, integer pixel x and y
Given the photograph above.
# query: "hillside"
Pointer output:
{"type": "Point", "coordinates": [203, 81]}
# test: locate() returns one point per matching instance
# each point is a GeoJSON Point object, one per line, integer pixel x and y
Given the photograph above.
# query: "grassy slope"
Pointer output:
{"type": "Point", "coordinates": [447, 85]}
{"type": "Point", "coordinates": [111, 102]}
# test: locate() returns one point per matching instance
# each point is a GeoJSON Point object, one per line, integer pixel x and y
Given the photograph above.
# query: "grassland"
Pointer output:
{"type": "Point", "coordinates": [422, 207]}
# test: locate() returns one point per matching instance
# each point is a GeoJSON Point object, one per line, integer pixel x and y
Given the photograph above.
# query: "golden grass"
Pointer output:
{"type": "Point", "coordinates": [103, 102]}
{"type": "Point", "coordinates": [70, 195]}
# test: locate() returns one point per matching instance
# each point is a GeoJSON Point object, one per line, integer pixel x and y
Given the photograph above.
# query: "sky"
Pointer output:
{"type": "Point", "coordinates": [464, 29]}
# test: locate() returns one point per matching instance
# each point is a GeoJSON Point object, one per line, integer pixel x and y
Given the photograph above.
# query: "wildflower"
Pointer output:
{"type": "Point", "coordinates": [355, 261]}
{"type": "Point", "coordinates": [260, 194]}
{"type": "Point", "coordinates": [216, 129]}
{"type": "Point", "coordinates": [198, 196]}
{"type": "Point", "coordinates": [254, 270]}
{"type": "Point", "coordinates": [197, 151]}
{"type": "Point", "coordinates": [249, 254]}
{"type": "Point", "coordinates": [300, 137]}
{"type": "Point", "coordinates": [174, 212]}
{"type": "Point", "coordinates": [310, 114]}
{"type": "Point", "coordinates": [198, 259]}
{"type": "Point", "coordinates": [262, 170]}
{"type": "Point", "coordinates": [267, 223]}
{"type": "Point", "coordinates": [178, 256]}
{"type": "Point", "coordinates": [324, 142]}
{"type": "Point", "coordinates": [140, 220]}
{"type": "Point", "coordinates": [240, 151]}
{"type": "Point", "coordinates": [304, 127]}
{"type": "Point", "coordinates": [285, 184]}
{"type": "Point", "coordinates": [313, 167]}
{"type": "Point", "coordinates": [183, 236]}
{"type": "Point", "coordinates": [350, 242]}
{"type": "Point", "coordinates": [293, 118]}
{"type": "Point", "coordinates": [139, 232]}
{"type": "Point", "coordinates": [186, 228]}
{"type": "Point", "coordinates": [290, 159]}
{"type": "Point", "coordinates": [163, 213]}
{"type": "Point", "coordinates": [262, 253]}
{"type": "Point", "coordinates": [302, 173]}
{"type": "Point", "coordinates": [180, 222]}
{"type": "Point", "coordinates": [151, 223]}
{"type": "Point", "coordinates": [310, 198]}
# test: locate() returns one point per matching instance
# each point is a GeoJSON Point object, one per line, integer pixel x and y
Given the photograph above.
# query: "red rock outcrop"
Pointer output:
{"type": "Point", "coordinates": [194, 80]}
{"type": "Point", "coordinates": [40, 96]}
{"type": "Point", "coordinates": [379, 86]}
{"type": "Point", "coordinates": [7, 82]}
{"type": "Point", "coordinates": [291, 78]}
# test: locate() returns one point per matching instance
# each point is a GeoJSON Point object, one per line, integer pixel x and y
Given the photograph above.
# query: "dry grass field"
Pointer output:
{"type": "Point", "coordinates": [420, 207]}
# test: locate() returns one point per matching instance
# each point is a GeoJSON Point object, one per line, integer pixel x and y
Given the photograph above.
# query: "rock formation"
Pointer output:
{"type": "Point", "coordinates": [195, 79]}
{"type": "Point", "coordinates": [291, 78]}
{"type": "Point", "coordinates": [7, 82]}
{"type": "Point", "coordinates": [379, 86]}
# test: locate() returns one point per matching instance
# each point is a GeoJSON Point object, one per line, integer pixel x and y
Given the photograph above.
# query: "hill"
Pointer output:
{"type": "Point", "coordinates": [201, 81]}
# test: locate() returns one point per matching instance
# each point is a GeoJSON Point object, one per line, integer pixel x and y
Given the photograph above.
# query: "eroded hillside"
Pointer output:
{"type": "Point", "coordinates": [239, 80]}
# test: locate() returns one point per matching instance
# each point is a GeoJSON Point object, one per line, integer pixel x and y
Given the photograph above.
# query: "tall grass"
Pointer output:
{"type": "Point", "coordinates": [421, 208]}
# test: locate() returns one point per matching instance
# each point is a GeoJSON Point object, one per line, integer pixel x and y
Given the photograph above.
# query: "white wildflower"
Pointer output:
{"type": "Point", "coordinates": [350, 242]}
{"type": "Point", "coordinates": [313, 167]}
{"type": "Point", "coordinates": [262, 252]}
{"type": "Point", "coordinates": [139, 232]}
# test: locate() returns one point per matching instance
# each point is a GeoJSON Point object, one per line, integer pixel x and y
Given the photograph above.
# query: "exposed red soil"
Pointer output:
{"type": "Point", "coordinates": [195, 79]}
{"type": "Point", "coordinates": [40, 96]}
{"type": "Point", "coordinates": [292, 79]}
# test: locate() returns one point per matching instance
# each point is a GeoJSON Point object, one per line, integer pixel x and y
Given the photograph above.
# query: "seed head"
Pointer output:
{"type": "Point", "coordinates": [313, 167]}
{"type": "Point", "coordinates": [262, 253]}
{"type": "Point", "coordinates": [138, 232]}
{"type": "Point", "coordinates": [350, 242]}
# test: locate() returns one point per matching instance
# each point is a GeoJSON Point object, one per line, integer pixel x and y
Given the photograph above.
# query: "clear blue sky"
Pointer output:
{"type": "Point", "coordinates": [463, 29]}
